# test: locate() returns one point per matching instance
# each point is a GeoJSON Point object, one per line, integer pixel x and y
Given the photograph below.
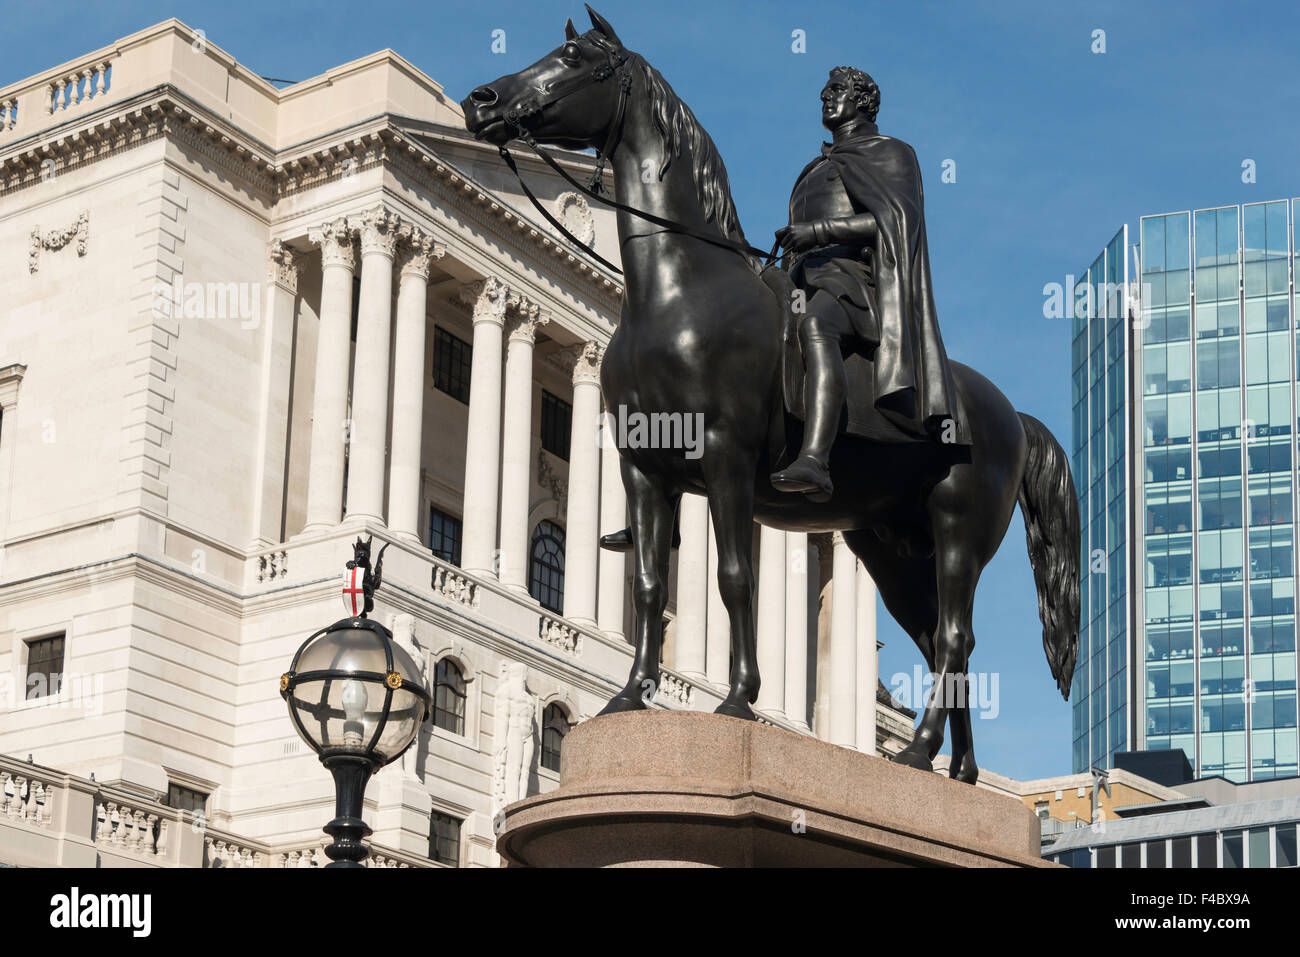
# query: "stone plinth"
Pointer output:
{"type": "Point", "coordinates": [683, 788]}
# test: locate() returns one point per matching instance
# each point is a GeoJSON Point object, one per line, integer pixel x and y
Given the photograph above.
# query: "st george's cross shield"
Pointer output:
{"type": "Point", "coordinates": [354, 594]}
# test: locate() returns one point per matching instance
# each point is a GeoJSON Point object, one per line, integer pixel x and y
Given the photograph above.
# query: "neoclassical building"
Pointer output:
{"type": "Point", "coordinates": [243, 325]}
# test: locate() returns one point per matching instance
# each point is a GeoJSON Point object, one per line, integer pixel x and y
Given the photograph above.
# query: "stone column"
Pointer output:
{"type": "Point", "coordinates": [273, 399]}
{"type": "Point", "coordinates": [483, 443]}
{"type": "Point", "coordinates": [692, 587]}
{"type": "Point", "coordinates": [581, 537]}
{"type": "Point", "coordinates": [613, 516]}
{"type": "Point", "coordinates": [717, 626]}
{"type": "Point", "coordinates": [771, 621]}
{"type": "Point", "coordinates": [843, 669]}
{"type": "Point", "coordinates": [366, 465]}
{"type": "Point", "coordinates": [517, 443]}
{"type": "Point", "coordinates": [796, 628]}
{"type": "Point", "coordinates": [329, 428]}
{"type": "Point", "coordinates": [867, 661]}
{"type": "Point", "coordinates": [409, 377]}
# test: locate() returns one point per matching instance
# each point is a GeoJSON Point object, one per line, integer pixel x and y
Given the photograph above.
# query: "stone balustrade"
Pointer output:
{"type": "Point", "coordinates": [26, 797]}
{"type": "Point", "coordinates": [132, 825]}
{"type": "Point", "coordinates": [108, 827]}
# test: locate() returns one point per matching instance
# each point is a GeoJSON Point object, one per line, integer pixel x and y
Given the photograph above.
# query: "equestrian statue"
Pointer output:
{"type": "Point", "coordinates": [828, 400]}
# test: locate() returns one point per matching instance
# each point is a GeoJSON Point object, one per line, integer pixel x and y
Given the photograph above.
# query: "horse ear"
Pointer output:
{"type": "Point", "coordinates": [570, 32]}
{"type": "Point", "coordinates": [601, 24]}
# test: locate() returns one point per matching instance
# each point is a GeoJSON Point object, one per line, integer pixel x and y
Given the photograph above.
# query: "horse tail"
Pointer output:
{"type": "Point", "coordinates": [1051, 512]}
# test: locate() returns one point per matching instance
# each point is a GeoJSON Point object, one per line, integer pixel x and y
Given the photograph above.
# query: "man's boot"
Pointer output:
{"type": "Point", "coordinates": [823, 399]}
{"type": "Point", "coordinates": [621, 541]}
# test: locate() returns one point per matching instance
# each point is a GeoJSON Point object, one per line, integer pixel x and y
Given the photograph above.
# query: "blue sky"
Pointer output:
{"type": "Point", "coordinates": [1054, 147]}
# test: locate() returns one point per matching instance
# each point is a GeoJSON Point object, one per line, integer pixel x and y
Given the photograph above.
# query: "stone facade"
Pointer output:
{"type": "Point", "coordinates": [217, 356]}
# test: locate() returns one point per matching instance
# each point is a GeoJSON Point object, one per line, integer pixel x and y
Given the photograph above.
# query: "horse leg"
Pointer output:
{"type": "Point", "coordinates": [731, 503]}
{"type": "Point", "coordinates": [652, 507]}
{"type": "Point", "coordinates": [957, 569]}
{"type": "Point", "coordinates": [962, 767]}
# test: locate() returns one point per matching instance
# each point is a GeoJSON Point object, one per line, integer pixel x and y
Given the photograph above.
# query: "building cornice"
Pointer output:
{"type": "Point", "coordinates": [166, 112]}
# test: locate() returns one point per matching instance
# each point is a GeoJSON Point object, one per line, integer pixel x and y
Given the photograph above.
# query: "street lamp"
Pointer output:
{"type": "Point", "coordinates": [356, 698]}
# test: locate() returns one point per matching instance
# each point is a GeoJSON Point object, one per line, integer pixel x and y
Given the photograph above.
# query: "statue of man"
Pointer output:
{"type": "Point", "coordinates": [858, 248]}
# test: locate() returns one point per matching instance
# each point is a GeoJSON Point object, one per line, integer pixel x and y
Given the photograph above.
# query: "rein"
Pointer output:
{"type": "Point", "coordinates": [514, 118]}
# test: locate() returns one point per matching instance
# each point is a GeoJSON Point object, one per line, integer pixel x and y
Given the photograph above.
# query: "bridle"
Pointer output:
{"type": "Point", "coordinates": [615, 66]}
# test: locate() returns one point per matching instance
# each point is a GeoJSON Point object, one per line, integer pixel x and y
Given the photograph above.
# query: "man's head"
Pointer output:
{"type": "Point", "coordinates": [849, 94]}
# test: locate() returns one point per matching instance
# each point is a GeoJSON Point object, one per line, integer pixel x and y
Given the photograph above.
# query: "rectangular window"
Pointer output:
{"type": "Point", "coordinates": [1286, 845]}
{"type": "Point", "coordinates": [1232, 853]}
{"type": "Point", "coordinates": [1106, 856]}
{"type": "Point", "coordinates": [451, 364]}
{"type": "Point", "coordinates": [444, 839]}
{"type": "Point", "coordinates": [1130, 855]}
{"type": "Point", "coordinates": [1182, 852]}
{"type": "Point", "coordinates": [186, 799]}
{"type": "Point", "coordinates": [44, 667]}
{"type": "Point", "coordinates": [1207, 851]}
{"type": "Point", "coordinates": [444, 535]}
{"type": "Point", "coordinates": [1156, 854]}
{"type": "Point", "coordinates": [557, 423]}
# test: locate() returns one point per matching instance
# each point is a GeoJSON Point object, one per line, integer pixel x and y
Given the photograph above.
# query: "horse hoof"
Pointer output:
{"type": "Point", "coordinates": [736, 709]}
{"type": "Point", "coordinates": [964, 771]}
{"type": "Point", "coordinates": [910, 759]}
{"type": "Point", "coordinates": [620, 703]}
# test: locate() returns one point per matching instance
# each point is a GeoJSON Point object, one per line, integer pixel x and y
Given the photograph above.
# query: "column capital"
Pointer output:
{"type": "Point", "coordinates": [335, 241]}
{"type": "Point", "coordinates": [523, 324]}
{"type": "Point", "coordinates": [487, 298]}
{"type": "Point", "coordinates": [282, 266]}
{"type": "Point", "coordinates": [586, 363]}
{"type": "Point", "coordinates": [379, 231]}
{"type": "Point", "coordinates": [418, 250]}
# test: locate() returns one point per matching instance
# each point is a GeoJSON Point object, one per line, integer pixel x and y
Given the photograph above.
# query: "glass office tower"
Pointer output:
{"type": "Point", "coordinates": [1194, 621]}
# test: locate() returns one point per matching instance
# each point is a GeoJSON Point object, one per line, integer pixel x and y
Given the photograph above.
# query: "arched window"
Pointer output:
{"type": "Point", "coordinates": [555, 725]}
{"type": "Point", "coordinates": [449, 697]}
{"type": "Point", "coordinates": [546, 571]}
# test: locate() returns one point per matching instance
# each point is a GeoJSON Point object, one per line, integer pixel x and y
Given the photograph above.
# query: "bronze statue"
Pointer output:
{"type": "Point", "coordinates": [857, 233]}
{"type": "Point", "coordinates": [703, 330]}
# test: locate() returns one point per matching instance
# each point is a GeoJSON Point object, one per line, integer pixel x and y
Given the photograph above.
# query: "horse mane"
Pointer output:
{"type": "Point", "coordinates": [679, 130]}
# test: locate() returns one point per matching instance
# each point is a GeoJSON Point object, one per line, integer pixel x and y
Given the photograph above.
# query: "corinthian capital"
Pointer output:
{"type": "Point", "coordinates": [418, 250]}
{"type": "Point", "coordinates": [379, 230]}
{"type": "Point", "coordinates": [586, 365]}
{"type": "Point", "coordinates": [281, 266]}
{"type": "Point", "coordinates": [524, 322]}
{"type": "Point", "coordinates": [487, 297]}
{"type": "Point", "coordinates": [335, 241]}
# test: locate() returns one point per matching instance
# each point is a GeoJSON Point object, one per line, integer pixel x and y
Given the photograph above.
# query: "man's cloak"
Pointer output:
{"type": "Point", "coordinates": [914, 382]}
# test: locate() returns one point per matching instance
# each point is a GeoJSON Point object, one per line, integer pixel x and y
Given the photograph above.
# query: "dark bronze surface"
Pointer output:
{"type": "Point", "coordinates": [701, 332]}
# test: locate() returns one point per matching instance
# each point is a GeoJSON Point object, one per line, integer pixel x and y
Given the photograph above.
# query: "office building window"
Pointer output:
{"type": "Point", "coordinates": [546, 572]}
{"type": "Point", "coordinates": [1207, 851]}
{"type": "Point", "coordinates": [449, 697]}
{"type": "Point", "coordinates": [444, 535]}
{"type": "Point", "coordinates": [1232, 850]}
{"type": "Point", "coordinates": [451, 364]}
{"type": "Point", "coordinates": [557, 425]}
{"type": "Point", "coordinates": [555, 725]}
{"type": "Point", "coordinates": [44, 667]}
{"type": "Point", "coordinates": [444, 839]}
{"type": "Point", "coordinates": [1286, 856]}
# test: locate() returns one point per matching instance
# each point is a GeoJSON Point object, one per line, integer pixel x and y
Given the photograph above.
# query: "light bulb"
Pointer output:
{"type": "Point", "coordinates": [354, 709]}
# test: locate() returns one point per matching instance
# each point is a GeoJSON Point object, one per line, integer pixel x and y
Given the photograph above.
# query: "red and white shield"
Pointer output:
{"type": "Point", "coordinates": [354, 596]}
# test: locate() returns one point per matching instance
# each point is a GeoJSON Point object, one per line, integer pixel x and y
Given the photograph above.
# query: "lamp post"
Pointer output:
{"type": "Point", "coordinates": [357, 700]}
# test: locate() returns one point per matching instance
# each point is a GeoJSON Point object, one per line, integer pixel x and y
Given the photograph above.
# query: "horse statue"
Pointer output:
{"type": "Point", "coordinates": [701, 331]}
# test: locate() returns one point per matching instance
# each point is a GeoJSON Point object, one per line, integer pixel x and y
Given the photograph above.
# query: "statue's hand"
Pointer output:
{"type": "Point", "coordinates": [797, 237]}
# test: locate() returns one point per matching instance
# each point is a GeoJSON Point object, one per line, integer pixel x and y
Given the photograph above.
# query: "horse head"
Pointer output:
{"type": "Point", "coordinates": [568, 98]}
